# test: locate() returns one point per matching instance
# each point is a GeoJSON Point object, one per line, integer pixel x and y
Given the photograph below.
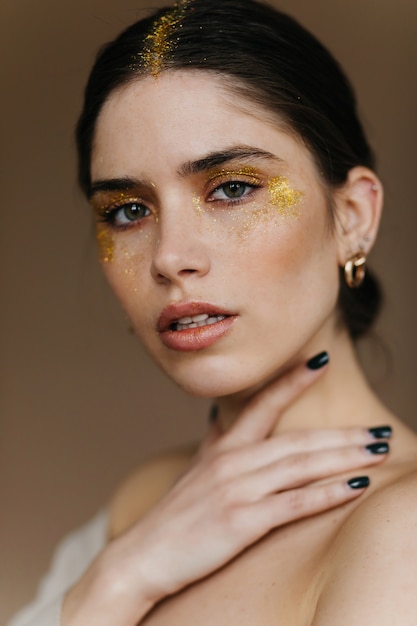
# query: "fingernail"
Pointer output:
{"type": "Point", "coordinates": [212, 416]}
{"type": "Point", "coordinates": [360, 482]}
{"type": "Point", "coordinates": [318, 361]}
{"type": "Point", "coordinates": [378, 448]}
{"type": "Point", "coordinates": [381, 432]}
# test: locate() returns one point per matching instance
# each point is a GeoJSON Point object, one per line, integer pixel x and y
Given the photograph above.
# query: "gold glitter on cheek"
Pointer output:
{"type": "Point", "coordinates": [283, 197]}
{"type": "Point", "coordinates": [130, 268]}
{"type": "Point", "coordinates": [197, 203]}
{"type": "Point", "coordinates": [105, 242]}
{"type": "Point", "coordinates": [133, 260]}
{"type": "Point", "coordinates": [278, 200]}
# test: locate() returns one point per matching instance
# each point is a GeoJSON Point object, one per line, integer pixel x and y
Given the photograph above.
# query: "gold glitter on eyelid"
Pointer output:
{"type": "Point", "coordinates": [283, 197]}
{"type": "Point", "coordinates": [105, 242]}
{"type": "Point", "coordinates": [114, 201]}
{"type": "Point", "coordinates": [243, 171]}
{"type": "Point", "coordinates": [159, 43]}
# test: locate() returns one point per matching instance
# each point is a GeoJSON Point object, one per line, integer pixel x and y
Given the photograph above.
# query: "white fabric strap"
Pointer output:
{"type": "Point", "coordinates": [71, 558]}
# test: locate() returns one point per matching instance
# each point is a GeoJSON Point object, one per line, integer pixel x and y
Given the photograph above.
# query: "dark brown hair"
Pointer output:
{"type": "Point", "coordinates": [267, 57]}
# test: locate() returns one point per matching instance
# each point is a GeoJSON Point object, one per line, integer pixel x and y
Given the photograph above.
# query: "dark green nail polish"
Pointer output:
{"type": "Point", "coordinates": [381, 432]}
{"type": "Point", "coordinates": [212, 417]}
{"type": "Point", "coordinates": [318, 361]}
{"type": "Point", "coordinates": [378, 448]}
{"type": "Point", "coordinates": [360, 482]}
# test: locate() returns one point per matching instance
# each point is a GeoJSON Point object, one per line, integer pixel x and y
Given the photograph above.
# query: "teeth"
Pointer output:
{"type": "Point", "coordinates": [213, 320]}
{"type": "Point", "coordinates": [194, 318]}
{"type": "Point", "coordinates": [184, 323]}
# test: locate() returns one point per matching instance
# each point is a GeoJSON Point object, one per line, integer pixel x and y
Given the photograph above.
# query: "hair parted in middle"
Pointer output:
{"type": "Point", "coordinates": [259, 54]}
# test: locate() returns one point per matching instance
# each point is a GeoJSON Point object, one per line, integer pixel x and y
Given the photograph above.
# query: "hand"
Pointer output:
{"type": "Point", "coordinates": [242, 485]}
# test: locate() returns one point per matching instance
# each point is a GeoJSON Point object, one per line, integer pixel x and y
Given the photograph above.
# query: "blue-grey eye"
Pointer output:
{"type": "Point", "coordinates": [234, 189]}
{"type": "Point", "coordinates": [128, 213]}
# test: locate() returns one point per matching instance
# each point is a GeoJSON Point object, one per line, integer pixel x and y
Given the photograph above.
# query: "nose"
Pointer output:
{"type": "Point", "coordinates": [180, 252]}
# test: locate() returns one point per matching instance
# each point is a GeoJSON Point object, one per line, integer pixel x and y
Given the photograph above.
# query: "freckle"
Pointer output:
{"type": "Point", "coordinates": [105, 242]}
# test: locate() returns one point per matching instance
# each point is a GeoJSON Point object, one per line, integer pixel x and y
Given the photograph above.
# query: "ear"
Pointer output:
{"type": "Point", "coordinates": [358, 213]}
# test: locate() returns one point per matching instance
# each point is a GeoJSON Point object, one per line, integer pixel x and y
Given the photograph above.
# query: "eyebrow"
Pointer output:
{"type": "Point", "coordinates": [114, 184]}
{"type": "Point", "coordinates": [211, 160]}
{"type": "Point", "coordinates": [214, 159]}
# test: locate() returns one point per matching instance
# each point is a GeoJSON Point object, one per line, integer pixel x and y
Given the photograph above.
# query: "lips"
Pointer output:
{"type": "Point", "coordinates": [192, 326]}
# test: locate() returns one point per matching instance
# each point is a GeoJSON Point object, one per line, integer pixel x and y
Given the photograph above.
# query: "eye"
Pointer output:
{"type": "Point", "coordinates": [232, 190]}
{"type": "Point", "coordinates": [126, 214]}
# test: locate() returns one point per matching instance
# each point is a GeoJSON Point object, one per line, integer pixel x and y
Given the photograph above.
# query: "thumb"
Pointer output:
{"type": "Point", "coordinates": [262, 412]}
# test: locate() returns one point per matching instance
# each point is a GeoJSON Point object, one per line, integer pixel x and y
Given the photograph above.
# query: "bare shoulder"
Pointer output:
{"type": "Point", "coordinates": [371, 579]}
{"type": "Point", "coordinates": [146, 486]}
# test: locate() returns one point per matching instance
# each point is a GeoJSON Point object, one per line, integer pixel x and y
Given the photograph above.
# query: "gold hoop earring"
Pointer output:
{"type": "Point", "coordinates": [355, 269]}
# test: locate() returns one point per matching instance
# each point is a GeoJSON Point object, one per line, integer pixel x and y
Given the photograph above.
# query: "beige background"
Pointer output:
{"type": "Point", "coordinates": [80, 403]}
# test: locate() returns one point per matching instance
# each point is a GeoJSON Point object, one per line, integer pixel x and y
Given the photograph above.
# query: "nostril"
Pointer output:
{"type": "Point", "coordinates": [171, 263]}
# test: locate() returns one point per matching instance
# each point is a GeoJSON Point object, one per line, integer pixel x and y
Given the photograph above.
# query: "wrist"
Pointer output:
{"type": "Point", "coordinates": [108, 595]}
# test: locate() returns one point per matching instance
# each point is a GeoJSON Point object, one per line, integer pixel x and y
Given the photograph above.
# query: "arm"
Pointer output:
{"type": "Point", "coordinates": [241, 485]}
{"type": "Point", "coordinates": [373, 577]}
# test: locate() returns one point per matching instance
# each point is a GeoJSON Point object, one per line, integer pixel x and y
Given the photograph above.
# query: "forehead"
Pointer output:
{"type": "Point", "coordinates": [179, 116]}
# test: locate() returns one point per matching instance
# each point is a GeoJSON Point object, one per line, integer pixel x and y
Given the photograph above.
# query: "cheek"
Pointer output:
{"type": "Point", "coordinates": [279, 203]}
{"type": "Point", "coordinates": [125, 268]}
{"type": "Point", "coordinates": [294, 257]}
{"type": "Point", "coordinates": [105, 244]}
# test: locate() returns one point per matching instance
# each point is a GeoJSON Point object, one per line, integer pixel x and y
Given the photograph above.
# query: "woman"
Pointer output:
{"type": "Point", "coordinates": [236, 202]}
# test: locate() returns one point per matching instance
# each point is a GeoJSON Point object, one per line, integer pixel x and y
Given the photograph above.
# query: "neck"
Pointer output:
{"type": "Point", "coordinates": [341, 398]}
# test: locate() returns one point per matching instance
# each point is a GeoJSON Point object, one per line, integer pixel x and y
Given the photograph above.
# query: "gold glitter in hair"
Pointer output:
{"type": "Point", "coordinates": [159, 42]}
{"type": "Point", "coordinates": [105, 243]}
{"type": "Point", "coordinates": [283, 197]}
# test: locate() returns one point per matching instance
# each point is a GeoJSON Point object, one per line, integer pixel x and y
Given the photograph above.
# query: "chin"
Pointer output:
{"type": "Point", "coordinates": [209, 389]}
{"type": "Point", "coordinates": [216, 379]}
{"type": "Point", "coordinates": [204, 384]}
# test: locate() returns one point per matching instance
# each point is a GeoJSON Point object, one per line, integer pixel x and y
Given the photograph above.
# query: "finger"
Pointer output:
{"type": "Point", "coordinates": [296, 504]}
{"type": "Point", "coordinates": [261, 413]}
{"type": "Point", "coordinates": [302, 469]}
{"type": "Point", "coordinates": [261, 454]}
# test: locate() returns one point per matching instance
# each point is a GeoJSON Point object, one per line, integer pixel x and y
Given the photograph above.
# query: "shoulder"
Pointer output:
{"type": "Point", "coordinates": [374, 562]}
{"type": "Point", "coordinates": [146, 486]}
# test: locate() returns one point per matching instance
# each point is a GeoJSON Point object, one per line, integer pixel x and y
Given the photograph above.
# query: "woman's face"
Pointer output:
{"type": "Point", "coordinates": [209, 214]}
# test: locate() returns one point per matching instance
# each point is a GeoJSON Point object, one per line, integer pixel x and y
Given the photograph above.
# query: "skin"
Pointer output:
{"type": "Point", "coordinates": [284, 301]}
{"type": "Point", "coordinates": [199, 269]}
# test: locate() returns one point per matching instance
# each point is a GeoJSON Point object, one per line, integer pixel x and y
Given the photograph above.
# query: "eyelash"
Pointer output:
{"type": "Point", "coordinates": [109, 215]}
{"type": "Point", "coordinates": [230, 202]}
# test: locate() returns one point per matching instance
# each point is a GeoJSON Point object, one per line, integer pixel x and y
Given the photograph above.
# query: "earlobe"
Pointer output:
{"type": "Point", "coordinates": [358, 213]}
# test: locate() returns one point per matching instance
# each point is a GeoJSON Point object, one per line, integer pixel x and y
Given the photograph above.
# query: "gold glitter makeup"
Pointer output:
{"type": "Point", "coordinates": [197, 203]}
{"type": "Point", "coordinates": [108, 199]}
{"type": "Point", "coordinates": [159, 42]}
{"type": "Point", "coordinates": [276, 200]}
{"type": "Point", "coordinates": [243, 171]}
{"type": "Point", "coordinates": [131, 258]}
{"type": "Point", "coordinates": [105, 241]}
{"type": "Point", "coordinates": [283, 197]}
